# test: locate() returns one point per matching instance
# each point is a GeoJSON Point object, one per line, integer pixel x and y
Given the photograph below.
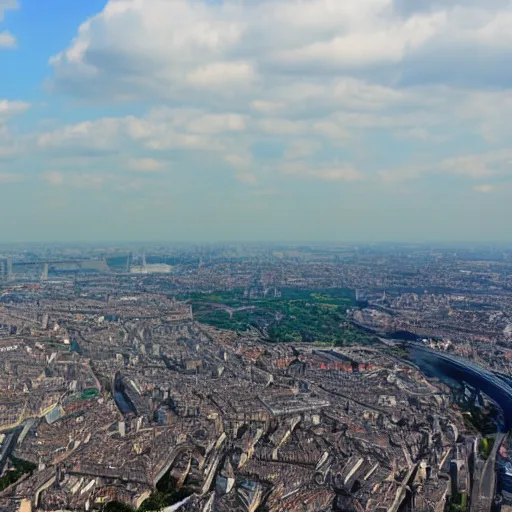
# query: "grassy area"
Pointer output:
{"type": "Point", "coordinates": [313, 316]}
{"type": "Point", "coordinates": [21, 467]}
{"type": "Point", "coordinates": [89, 393]}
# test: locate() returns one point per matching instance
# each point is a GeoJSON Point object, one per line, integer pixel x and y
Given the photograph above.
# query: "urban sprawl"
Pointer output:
{"type": "Point", "coordinates": [255, 377]}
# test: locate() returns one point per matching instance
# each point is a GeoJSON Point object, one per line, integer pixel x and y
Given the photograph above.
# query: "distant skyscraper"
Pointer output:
{"type": "Point", "coordinates": [5, 268]}
{"type": "Point", "coordinates": [44, 273]}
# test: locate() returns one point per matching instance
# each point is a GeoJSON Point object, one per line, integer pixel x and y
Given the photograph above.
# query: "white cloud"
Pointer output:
{"type": "Point", "coordinates": [161, 129]}
{"type": "Point", "coordinates": [188, 48]}
{"type": "Point", "coordinates": [274, 126]}
{"type": "Point", "coordinates": [166, 128]}
{"type": "Point", "coordinates": [91, 136]}
{"type": "Point", "coordinates": [327, 70]}
{"type": "Point", "coordinates": [472, 166]}
{"type": "Point", "coordinates": [80, 180]}
{"type": "Point", "coordinates": [146, 165]}
{"type": "Point", "coordinates": [266, 106]}
{"type": "Point", "coordinates": [7, 40]}
{"type": "Point", "coordinates": [301, 148]}
{"type": "Point", "coordinates": [331, 129]}
{"type": "Point", "coordinates": [301, 169]}
{"type": "Point", "coordinates": [12, 108]}
{"type": "Point", "coordinates": [372, 42]}
{"type": "Point", "coordinates": [220, 74]}
{"type": "Point", "coordinates": [479, 165]}
{"type": "Point", "coordinates": [484, 189]}
{"type": "Point", "coordinates": [162, 49]}
{"type": "Point", "coordinates": [6, 5]}
{"type": "Point", "coordinates": [322, 79]}
{"type": "Point", "coordinates": [354, 93]}
{"type": "Point", "coordinates": [217, 123]}
{"type": "Point", "coordinates": [347, 173]}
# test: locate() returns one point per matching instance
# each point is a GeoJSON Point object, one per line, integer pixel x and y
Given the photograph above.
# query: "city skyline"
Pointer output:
{"type": "Point", "coordinates": [247, 121]}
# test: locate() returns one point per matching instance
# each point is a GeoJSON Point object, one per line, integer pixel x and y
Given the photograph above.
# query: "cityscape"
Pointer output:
{"type": "Point", "coordinates": [253, 377]}
{"type": "Point", "coordinates": [255, 256]}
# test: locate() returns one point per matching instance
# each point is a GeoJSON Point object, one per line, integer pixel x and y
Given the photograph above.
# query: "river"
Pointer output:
{"type": "Point", "coordinates": [455, 370]}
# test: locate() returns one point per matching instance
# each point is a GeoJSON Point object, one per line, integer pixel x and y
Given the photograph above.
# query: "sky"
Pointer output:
{"type": "Point", "coordinates": [207, 120]}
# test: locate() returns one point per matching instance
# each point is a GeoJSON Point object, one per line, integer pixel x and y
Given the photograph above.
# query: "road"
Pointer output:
{"type": "Point", "coordinates": [485, 486]}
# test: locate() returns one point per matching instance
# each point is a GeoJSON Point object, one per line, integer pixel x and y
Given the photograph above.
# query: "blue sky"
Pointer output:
{"type": "Point", "coordinates": [192, 120]}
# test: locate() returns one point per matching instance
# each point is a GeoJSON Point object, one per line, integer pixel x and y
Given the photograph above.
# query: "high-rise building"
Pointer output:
{"type": "Point", "coordinates": [5, 268]}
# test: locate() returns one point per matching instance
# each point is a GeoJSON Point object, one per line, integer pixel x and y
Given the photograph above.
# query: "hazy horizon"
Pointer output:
{"type": "Point", "coordinates": [442, 244]}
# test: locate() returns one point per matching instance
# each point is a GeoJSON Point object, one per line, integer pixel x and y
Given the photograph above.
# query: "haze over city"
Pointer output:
{"type": "Point", "coordinates": [255, 120]}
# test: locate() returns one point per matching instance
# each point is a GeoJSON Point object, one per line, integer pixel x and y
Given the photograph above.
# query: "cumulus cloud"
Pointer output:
{"type": "Point", "coordinates": [12, 108]}
{"type": "Point", "coordinates": [80, 180]}
{"type": "Point", "coordinates": [302, 169]}
{"type": "Point", "coordinates": [276, 126]}
{"type": "Point", "coordinates": [301, 148]}
{"type": "Point", "coordinates": [472, 166]}
{"type": "Point", "coordinates": [161, 48]}
{"type": "Point", "coordinates": [222, 74]}
{"type": "Point", "coordinates": [88, 138]}
{"type": "Point", "coordinates": [160, 129]}
{"type": "Point", "coordinates": [7, 40]}
{"type": "Point", "coordinates": [347, 173]}
{"type": "Point", "coordinates": [216, 123]}
{"type": "Point", "coordinates": [303, 85]}
{"type": "Point", "coordinates": [479, 165]}
{"type": "Point", "coordinates": [146, 165]}
{"type": "Point", "coordinates": [185, 48]}
{"type": "Point", "coordinates": [373, 41]}
{"type": "Point", "coordinates": [6, 5]}
{"type": "Point", "coordinates": [266, 106]}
